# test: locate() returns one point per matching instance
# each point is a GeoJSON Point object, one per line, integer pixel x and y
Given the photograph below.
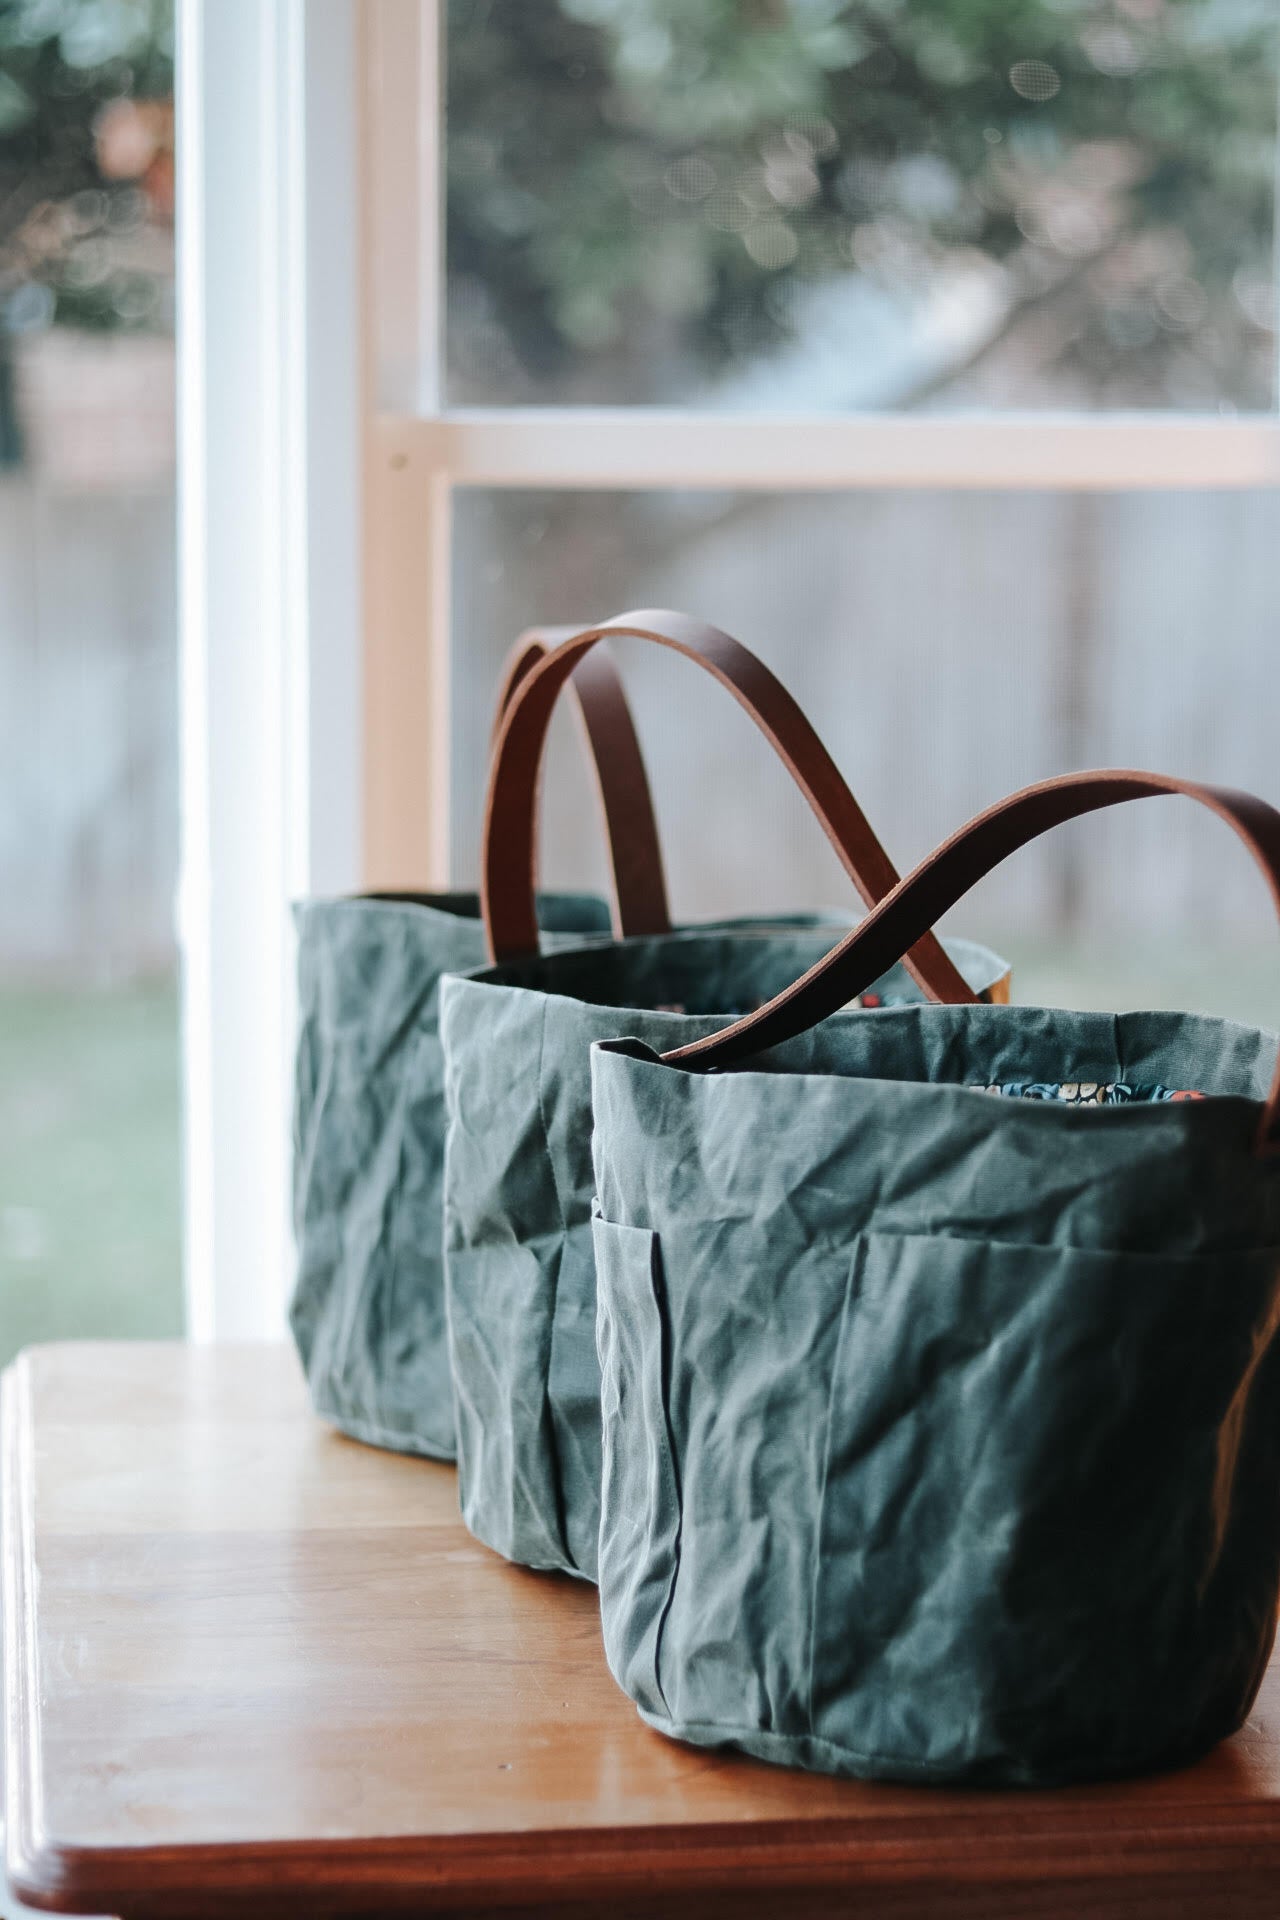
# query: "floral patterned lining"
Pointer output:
{"type": "Point", "coordinates": [1085, 1093]}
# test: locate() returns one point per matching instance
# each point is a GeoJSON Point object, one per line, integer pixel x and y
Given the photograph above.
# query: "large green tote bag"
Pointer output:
{"type": "Point", "coordinates": [942, 1431]}
{"type": "Point", "coordinates": [518, 1182]}
{"type": "Point", "coordinates": [368, 1305]}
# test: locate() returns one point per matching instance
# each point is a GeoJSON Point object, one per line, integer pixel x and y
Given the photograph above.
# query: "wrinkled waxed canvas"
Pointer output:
{"type": "Point", "coordinates": [942, 1432]}
{"type": "Point", "coordinates": [368, 1309]}
{"type": "Point", "coordinates": [520, 1269]}
{"type": "Point", "coordinates": [368, 1304]}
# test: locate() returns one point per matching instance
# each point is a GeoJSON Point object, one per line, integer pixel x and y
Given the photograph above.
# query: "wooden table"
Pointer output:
{"type": "Point", "coordinates": [251, 1666]}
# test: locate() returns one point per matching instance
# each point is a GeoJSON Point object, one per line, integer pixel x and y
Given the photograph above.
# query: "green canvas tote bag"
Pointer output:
{"type": "Point", "coordinates": [368, 1305]}
{"type": "Point", "coordinates": [518, 1182]}
{"type": "Point", "coordinates": [942, 1431]}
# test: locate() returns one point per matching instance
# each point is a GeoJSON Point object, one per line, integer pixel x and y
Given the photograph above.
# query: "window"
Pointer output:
{"type": "Point", "coordinates": [930, 349]}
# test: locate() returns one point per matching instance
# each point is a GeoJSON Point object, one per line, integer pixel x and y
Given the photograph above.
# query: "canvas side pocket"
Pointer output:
{"type": "Point", "coordinates": [573, 1393]}
{"type": "Point", "coordinates": [640, 1494]}
{"type": "Point", "coordinates": [500, 1351]}
{"type": "Point", "coordinates": [347, 1189]}
{"type": "Point", "coordinates": [413, 1361]}
{"type": "Point", "coordinates": [1039, 1551]}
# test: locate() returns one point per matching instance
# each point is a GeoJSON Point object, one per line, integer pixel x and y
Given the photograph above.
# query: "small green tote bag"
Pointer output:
{"type": "Point", "coordinates": [942, 1431]}
{"type": "Point", "coordinates": [517, 1038]}
{"type": "Point", "coordinates": [368, 1305]}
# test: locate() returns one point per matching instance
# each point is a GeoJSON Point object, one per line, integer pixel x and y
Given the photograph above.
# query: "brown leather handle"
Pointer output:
{"type": "Point", "coordinates": [639, 903]}
{"type": "Point", "coordinates": [507, 867]}
{"type": "Point", "coordinates": [947, 875]}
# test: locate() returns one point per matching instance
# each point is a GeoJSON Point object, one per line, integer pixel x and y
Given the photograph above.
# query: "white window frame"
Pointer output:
{"type": "Point", "coordinates": [319, 465]}
{"type": "Point", "coordinates": [269, 408]}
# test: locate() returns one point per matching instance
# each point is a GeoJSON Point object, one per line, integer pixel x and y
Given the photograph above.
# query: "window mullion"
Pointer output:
{"type": "Point", "coordinates": [671, 448]}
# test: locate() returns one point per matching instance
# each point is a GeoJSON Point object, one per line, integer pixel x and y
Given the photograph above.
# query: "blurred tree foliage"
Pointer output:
{"type": "Point", "coordinates": [86, 171]}
{"type": "Point", "coordinates": [625, 174]}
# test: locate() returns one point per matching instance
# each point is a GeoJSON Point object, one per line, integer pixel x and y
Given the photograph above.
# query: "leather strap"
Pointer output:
{"type": "Point", "coordinates": [507, 866]}
{"type": "Point", "coordinates": [639, 903]}
{"type": "Point", "coordinates": [947, 875]}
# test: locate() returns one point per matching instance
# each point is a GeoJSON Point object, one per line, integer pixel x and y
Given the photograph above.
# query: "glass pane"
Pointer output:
{"type": "Point", "coordinates": [949, 647]}
{"type": "Point", "coordinates": [89, 1112]}
{"type": "Point", "coordinates": [843, 204]}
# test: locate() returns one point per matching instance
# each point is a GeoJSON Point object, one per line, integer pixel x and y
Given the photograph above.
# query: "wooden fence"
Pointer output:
{"type": "Point", "coordinates": [948, 647]}
{"type": "Point", "coordinates": [88, 731]}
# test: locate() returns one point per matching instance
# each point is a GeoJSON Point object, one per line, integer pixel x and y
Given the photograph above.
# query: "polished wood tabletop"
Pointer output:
{"type": "Point", "coordinates": [253, 1667]}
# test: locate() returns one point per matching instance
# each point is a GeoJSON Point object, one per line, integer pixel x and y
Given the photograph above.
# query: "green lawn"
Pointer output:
{"type": "Point", "coordinates": [1239, 981]}
{"type": "Point", "coordinates": [90, 1210]}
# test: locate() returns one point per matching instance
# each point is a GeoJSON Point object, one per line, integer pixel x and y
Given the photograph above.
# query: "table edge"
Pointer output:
{"type": "Point", "coordinates": [575, 1868]}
